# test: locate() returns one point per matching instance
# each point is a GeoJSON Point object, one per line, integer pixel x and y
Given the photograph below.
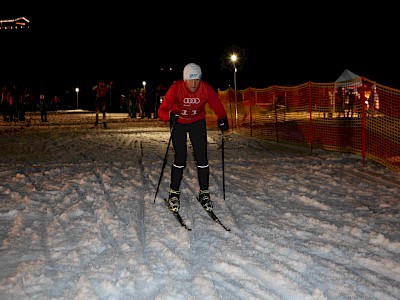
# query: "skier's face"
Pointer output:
{"type": "Point", "coordinates": [192, 84]}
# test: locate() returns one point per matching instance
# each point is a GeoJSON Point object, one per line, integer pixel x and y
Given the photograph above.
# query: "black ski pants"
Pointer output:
{"type": "Point", "coordinates": [198, 137]}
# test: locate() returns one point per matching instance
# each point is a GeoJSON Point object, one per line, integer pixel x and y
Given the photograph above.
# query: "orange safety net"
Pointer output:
{"type": "Point", "coordinates": [358, 116]}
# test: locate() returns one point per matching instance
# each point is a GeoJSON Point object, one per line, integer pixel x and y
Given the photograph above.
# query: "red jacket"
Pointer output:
{"type": "Point", "coordinates": [101, 90]}
{"type": "Point", "coordinates": [190, 106]}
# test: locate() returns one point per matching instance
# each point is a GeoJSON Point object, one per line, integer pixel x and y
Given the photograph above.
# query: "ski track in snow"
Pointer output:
{"type": "Point", "coordinates": [78, 219]}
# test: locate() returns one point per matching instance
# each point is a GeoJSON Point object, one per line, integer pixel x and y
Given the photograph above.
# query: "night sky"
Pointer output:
{"type": "Point", "coordinates": [126, 43]}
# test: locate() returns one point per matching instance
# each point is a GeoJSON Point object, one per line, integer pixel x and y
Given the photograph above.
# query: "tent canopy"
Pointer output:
{"type": "Point", "coordinates": [348, 79]}
{"type": "Point", "coordinates": [347, 75]}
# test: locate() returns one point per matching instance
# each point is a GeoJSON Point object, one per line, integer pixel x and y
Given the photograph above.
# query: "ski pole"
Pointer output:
{"type": "Point", "coordinates": [223, 165]}
{"type": "Point", "coordinates": [165, 160]}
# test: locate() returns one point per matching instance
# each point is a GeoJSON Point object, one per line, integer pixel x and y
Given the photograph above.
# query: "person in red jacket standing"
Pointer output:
{"type": "Point", "coordinates": [101, 97]}
{"type": "Point", "coordinates": [184, 107]}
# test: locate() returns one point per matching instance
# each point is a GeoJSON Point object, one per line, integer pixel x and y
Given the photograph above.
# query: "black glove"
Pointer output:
{"type": "Point", "coordinates": [223, 124]}
{"type": "Point", "coordinates": [173, 118]}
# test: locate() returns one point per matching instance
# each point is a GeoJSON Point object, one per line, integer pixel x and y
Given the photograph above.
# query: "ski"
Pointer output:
{"type": "Point", "coordinates": [178, 217]}
{"type": "Point", "coordinates": [214, 217]}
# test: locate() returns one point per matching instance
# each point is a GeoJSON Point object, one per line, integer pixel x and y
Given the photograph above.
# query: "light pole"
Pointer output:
{"type": "Point", "coordinates": [143, 100]}
{"type": "Point", "coordinates": [77, 96]}
{"type": "Point", "coordinates": [234, 59]}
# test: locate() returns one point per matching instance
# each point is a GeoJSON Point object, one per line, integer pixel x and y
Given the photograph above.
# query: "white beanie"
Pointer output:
{"type": "Point", "coordinates": [191, 71]}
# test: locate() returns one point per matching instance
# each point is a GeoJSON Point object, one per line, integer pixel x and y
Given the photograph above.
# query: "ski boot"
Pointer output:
{"type": "Point", "coordinates": [173, 200]}
{"type": "Point", "coordinates": [205, 201]}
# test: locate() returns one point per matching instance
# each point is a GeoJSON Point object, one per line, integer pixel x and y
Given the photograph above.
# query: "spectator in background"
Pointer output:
{"type": "Point", "coordinates": [13, 101]}
{"type": "Point", "coordinates": [4, 102]}
{"type": "Point", "coordinates": [160, 92]}
{"type": "Point", "coordinates": [24, 101]}
{"type": "Point", "coordinates": [43, 107]}
{"type": "Point", "coordinates": [56, 102]}
{"type": "Point", "coordinates": [375, 98]}
{"type": "Point", "coordinates": [142, 102]}
{"type": "Point", "coordinates": [131, 102]}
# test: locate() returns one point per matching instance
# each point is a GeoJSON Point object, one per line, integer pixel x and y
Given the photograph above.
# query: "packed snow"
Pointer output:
{"type": "Point", "coordinates": [80, 217]}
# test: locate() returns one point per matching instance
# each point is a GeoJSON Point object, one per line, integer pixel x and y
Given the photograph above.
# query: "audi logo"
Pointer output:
{"type": "Point", "coordinates": [191, 101]}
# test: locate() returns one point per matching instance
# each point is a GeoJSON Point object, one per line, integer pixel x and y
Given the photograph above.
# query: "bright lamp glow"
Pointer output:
{"type": "Point", "coordinates": [77, 97]}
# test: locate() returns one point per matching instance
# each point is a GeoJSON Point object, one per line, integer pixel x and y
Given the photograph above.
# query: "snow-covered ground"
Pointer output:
{"type": "Point", "coordinates": [78, 218]}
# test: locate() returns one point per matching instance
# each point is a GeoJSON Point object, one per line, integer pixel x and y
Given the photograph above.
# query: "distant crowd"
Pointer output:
{"type": "Point", "coordinates": [16, 100]}
{"type": "Point", "coordinates": [137, 102]}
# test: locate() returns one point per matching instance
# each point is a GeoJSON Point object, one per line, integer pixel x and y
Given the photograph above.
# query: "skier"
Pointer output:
{"type": "Point", "coordinates": [184, 107]}
{"type": "Point", "coordinates": [101, 92]}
